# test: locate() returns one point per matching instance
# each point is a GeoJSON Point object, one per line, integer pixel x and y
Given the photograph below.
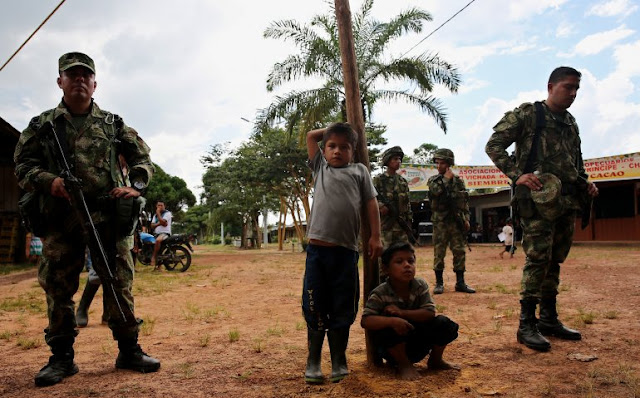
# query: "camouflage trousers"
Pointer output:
{"type": "Point", "coordinates": [447, 233]}
{"type": "Point", "coordinates": [546, 245]}
{"type": "Point", "coordinates": [59, 276]}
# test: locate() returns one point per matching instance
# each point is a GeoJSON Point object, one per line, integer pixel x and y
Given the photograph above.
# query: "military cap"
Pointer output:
{"type": "Point", "coordinates": [391, 152]}
{"type": "Point", "coordinates": [548, 199]}
{"type": "Point", "coordinates": [69, 60]}
{"type": "Point", "coordinates": [444, 154]}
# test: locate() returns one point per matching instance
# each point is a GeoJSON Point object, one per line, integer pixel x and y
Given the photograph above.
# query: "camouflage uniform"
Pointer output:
{"type": "Point", "coordinates": [546, 243]}
{"type": "Point", "coordinates": [393, 191]}
{"type": "Point", "coordinates": [91, 159]}
{"type": "Point", "coordinates": [450, 209]}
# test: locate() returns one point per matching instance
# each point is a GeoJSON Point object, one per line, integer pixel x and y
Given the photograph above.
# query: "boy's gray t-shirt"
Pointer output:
{"type": "Point", "coordinates": [339, 194]}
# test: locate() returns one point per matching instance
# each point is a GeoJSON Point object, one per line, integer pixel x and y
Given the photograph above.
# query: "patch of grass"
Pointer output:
{"type": "Point", "coordinates": [31, 302]}
{"type": "Point", "coordinates": [503, 289]}
{"type": "Point", "coordinates": [513, 267]}
{"type": "Point", "coordinates": [611, 315]}
{"type": "Point", "coordinates": [146, 328]}
{"type": "Point", "coordinates": [508, 313]}
{"type": "Point", "coordinates": [191, 312]}
{"type": "Point", "coordinates": [186, 369]}
{"type": "Point", "coordinates": [27, 343]}
{"type": "Point", "coordinates": [586, 317]}
{"type": "Point", "coordinates": [257, 345]}
{"type": "Point", "coordinates": [497, 325]}
{"type": "Point", "coordinates": [234, 335]}
{"type": "Point", "coordinates": [7, 269]}
{"type": "Point", "coordinates": [564, 287]}
{"type": "Point", "coordinates": [276, 330]}
{"type": "Point", "coordinates": [440, 308]}
{"type": "Point", "coordinates": [496, 268]}
{"type": "Point", "coordinates": [204, 340]}
{"type": "Point", "coordinates": [244, 376]}
{"type": "Point", "coordinates": [301, 325]}
{"type": "Point", "coordinates": [492, 304]}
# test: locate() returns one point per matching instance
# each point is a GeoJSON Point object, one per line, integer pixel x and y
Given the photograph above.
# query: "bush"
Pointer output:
{"type": "Point", "coordinates": [216, 240]}
{"type": "Point", "coordinates": [228, 240]}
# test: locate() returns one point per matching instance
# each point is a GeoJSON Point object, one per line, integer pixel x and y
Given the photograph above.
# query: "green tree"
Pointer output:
{"type": "Point", "coordinates": [172, 190]}
{"type": "Point", "coordinates": [423, 154]}
{"type": "Point", "coordinates": [319, 58]}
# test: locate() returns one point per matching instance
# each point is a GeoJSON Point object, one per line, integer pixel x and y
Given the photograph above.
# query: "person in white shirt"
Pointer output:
{"type": "Point", "coordinates": [161, 227]}
{"type": "Point", "coordinates": [507, 230]}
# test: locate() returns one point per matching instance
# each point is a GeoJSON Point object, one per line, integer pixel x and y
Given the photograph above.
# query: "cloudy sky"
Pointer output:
{"type": "Point", "coordinates": [185, 73]}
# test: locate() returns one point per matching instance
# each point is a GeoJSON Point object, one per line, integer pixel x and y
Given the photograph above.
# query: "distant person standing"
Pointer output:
{"type": "Point", "coordinates": [547, 149]}
{"type": "Point", "coordinates": [450, 216]}
{"type": "Point", "coordinates": [33, 246]}
{"type": "Point", "coordinates": [507, 231]}
{"type": "Point", "coordinates": [161, 227]}
{"type": "Point", "coordinates": [393, 199]}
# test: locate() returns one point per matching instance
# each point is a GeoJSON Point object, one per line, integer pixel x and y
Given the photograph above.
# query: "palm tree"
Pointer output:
{"type": "Point", "coordinates": [319, 57]}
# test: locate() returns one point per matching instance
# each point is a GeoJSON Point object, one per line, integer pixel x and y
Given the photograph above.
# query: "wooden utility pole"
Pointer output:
{"type": "Point", "coordinates": [356, 119]}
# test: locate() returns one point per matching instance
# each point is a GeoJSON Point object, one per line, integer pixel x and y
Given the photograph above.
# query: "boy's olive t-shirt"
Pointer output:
{"type": "Point", "coordinates": [339, 193]}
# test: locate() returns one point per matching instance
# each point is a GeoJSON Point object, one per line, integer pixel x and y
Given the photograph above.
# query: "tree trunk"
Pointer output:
{"type": "Point", "coordinates": [356, 119]}
{"type": "Point", "coordinates": [282, 223]}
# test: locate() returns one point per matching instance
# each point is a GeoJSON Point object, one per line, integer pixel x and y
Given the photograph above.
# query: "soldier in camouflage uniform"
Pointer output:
{"type": "Point", "coordinates": [393, 198]}
{"type": "Point", "coordinates": [92, 137]}
{"type": "Point", "coordinates": [450, 216]}
{"type": "Point", "coordinates": [547, 236]}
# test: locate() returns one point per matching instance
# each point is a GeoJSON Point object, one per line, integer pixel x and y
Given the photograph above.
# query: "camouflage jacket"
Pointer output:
{"type": "Point", "coordinates": [393, 191]}
{"type": "Point", "coordinates": [90, 152]}
{"type": "Point", "coordinates": [449, 198]}
{"type": "Point", "coordinates": [558, 152]}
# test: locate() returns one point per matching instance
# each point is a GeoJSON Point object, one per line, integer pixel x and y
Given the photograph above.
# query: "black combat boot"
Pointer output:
{"type": "Point", "coordinates": [82, 315]}
{"type": "Point", "coordinates": [338, 340]}
{"type": "Point", "coordinates": [60, 364]}
{"type": "Point", "coordinates": [528, 333]}
{"type": "Point", "coordinates": [439, 288]}
{"type": "Point", "coordinates": [313, 373]}
{"type": "Point", "coordinates": [461, 286]}
{"type": "Point", "coordinates": [549, 324]}
{"type": "Point", "coordinates": [132, 357]}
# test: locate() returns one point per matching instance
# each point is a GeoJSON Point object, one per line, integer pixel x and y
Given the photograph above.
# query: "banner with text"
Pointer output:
{"type": "Point", "coordinates": [610, 168]}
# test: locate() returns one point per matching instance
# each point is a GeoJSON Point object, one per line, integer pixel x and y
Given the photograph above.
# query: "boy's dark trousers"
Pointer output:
{"type": "Point", "coordinates": [440, 331]}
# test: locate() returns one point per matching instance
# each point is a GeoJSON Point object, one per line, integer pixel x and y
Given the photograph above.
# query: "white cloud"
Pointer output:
{"type": "Point", "coordinates": [612, 8]}
{"type": "Point", "coordinates": [564, 29]}
{"type": "Point", "coordinates": [598, 42]}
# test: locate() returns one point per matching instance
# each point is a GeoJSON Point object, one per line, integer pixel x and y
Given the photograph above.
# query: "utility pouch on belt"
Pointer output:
{"type": "Point", "coordinates": [127, 212]}
{"type": "Point", "coordinates": [522, 198]}
{"type": "Point", "coordinates": [29, 206]}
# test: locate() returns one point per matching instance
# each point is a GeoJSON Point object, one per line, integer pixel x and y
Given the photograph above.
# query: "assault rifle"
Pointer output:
{"type": "Point", "coordinates": [81, 210]}
{"type": "Point", "coordinates": [393, 212]}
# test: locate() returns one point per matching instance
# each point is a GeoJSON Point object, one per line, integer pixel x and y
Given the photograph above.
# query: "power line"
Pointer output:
{"type": "Point", "coordinates": [436, 29]}
{"type": "Point", "coordinates": [32, 34]}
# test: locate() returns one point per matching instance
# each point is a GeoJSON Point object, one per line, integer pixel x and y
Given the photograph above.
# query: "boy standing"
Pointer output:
{"type": "Point", "coordinates": [402, 317]}
{"type": "Point", "coordinates": [331, 286]}
{"type": "Point", "coordinates": [507, 230]}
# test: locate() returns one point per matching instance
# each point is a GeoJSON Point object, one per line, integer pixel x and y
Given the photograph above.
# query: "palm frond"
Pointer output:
{"type": "Point", "coordinates": [428, 104]}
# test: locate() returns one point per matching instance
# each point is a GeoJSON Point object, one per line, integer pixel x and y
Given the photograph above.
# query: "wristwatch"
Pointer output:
{"type": "Point", "coordinates": [139, 186]}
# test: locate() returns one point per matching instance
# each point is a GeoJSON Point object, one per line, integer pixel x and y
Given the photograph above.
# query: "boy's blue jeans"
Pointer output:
{"type": "Point", "coordinates": [331, 287]}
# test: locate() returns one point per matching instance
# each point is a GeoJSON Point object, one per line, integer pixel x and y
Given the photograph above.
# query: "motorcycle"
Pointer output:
{"type": "Point", "coordinates": [174, 254]}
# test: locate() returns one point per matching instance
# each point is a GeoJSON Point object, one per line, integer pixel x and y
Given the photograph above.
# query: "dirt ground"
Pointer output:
{"type": "Point", "coordinates": [231, 326]}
